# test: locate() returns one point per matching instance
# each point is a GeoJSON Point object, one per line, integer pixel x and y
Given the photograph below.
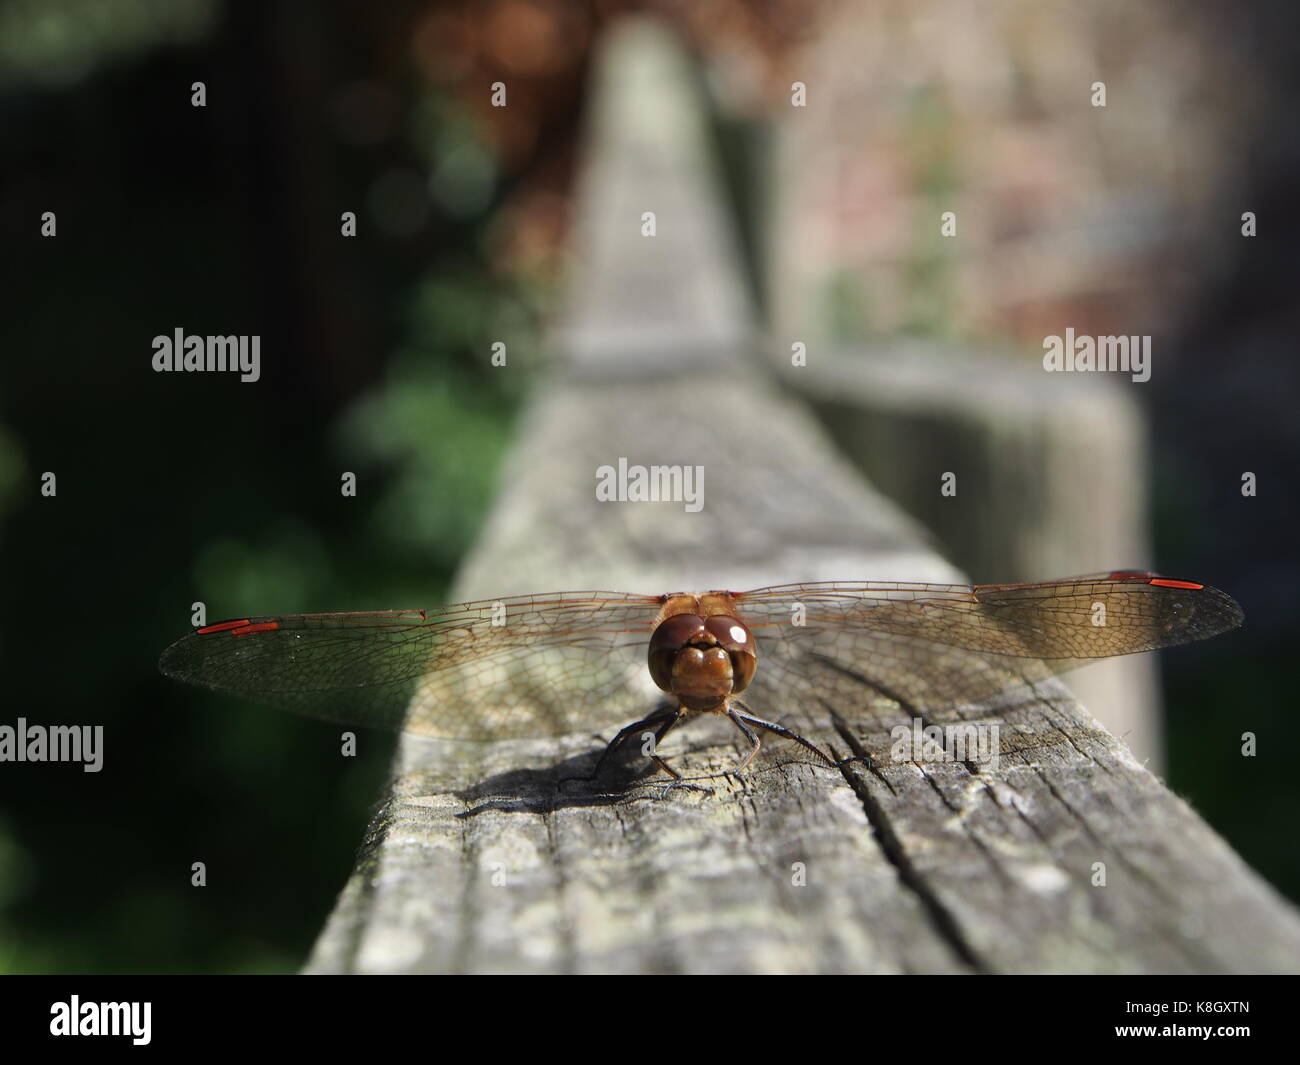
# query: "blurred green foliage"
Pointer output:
{"type": "Point", "coordinates": [60, 42]}
{"type": "Point", "coordinates": [176, 489]}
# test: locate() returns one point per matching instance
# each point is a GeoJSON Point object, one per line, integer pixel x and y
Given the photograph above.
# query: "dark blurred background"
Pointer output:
{"type": "Point", "coordinates": [375, 359]}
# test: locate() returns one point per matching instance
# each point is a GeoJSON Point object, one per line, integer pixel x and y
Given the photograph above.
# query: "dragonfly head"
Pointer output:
{"type": "Point", "coordinates": [701, 660]}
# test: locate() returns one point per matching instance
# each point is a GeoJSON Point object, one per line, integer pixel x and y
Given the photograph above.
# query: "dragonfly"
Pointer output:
{"type": "Point", "coordinates": [770, 661]}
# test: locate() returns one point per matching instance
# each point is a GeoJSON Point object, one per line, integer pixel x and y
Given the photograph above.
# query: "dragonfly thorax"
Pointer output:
{"type": "Point", "coordinates": [702, 661]}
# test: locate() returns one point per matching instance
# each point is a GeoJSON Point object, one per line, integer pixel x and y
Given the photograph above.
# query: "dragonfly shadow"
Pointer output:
{"type": "Point", "coordinates": [626, 776]}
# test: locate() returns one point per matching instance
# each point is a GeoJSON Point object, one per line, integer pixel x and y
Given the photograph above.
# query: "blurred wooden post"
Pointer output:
{"type": "Point", "coordinates": [1051, 469]}
{"type": "Point", "coordinates": [486, 858]}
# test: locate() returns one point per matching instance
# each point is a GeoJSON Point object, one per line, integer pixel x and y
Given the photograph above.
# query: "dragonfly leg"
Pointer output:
{"type": "Point", "coordinates": [748, 733]}
{"type": "Point", "coordinates": [665, 716]}
{"type": "Point", "coordinates": [663, 731]}
{"type": "Point", "coordinates": [743, 715]}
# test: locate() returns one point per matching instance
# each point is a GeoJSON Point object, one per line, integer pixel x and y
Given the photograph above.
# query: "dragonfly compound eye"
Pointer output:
{"type": "Point", "coordinates": [669, 638]}
{"type": "Point", "coordinates": [734, 636]}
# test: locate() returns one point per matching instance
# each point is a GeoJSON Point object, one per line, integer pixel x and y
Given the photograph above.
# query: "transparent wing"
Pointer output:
{"type": "Point", "coordinates": [540, 665]}
{"type": "Point", "coordinates": [937, 647]}
{"type": "Point", "coordinates": [549, 665]}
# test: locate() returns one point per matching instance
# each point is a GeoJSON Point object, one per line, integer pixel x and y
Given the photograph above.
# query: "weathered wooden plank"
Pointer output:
{"type": "Point", "coordinates": [500, 858]}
